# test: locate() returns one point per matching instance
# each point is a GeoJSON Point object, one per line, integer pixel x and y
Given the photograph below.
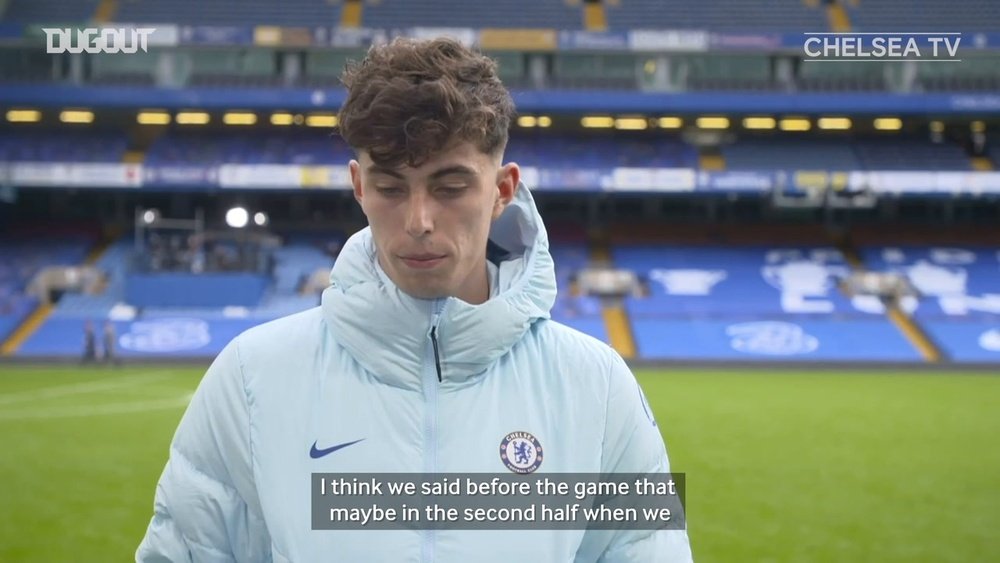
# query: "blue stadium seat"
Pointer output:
{"type": "Point", "coordinates": [772, 339]}
{"type": "Point", "coordinates": [50, 11]}
{"type": "Point", "coordinates": [925, 15]}
{"type": "Point", "coordinates": [231, 12]}
{"type": "Point", "coordinates": [958, 302]}
{"type": "Point", "coordinates": [62, 145]}
{"type": "Point", "coordinates": [208, 148]}
{"type": "Point", "coordinates": [600, 151]}
{"type": "Point", "coordinates": [753, 303]}
{"type": "Point", "coordinates": [556, 14]}
{"type": "Point", "coordinates": [780, 152]}
{"type": "Point", "coordinates": [721, 281]}
{"type": "Point", "coordinates": [953, 282]}
{"type": "Point", "coordinates": [722, 15]}
{"type": "Point", "coordinates": [582, 312]}
{"type": "Point", "coordinates": [910, 153]}
{"type": "Point", "coordinates": [22, 258]}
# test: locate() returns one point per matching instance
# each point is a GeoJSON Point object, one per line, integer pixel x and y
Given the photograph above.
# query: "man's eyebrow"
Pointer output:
{"type": "Point", "coordinates": [376, 169]}
{"type": "Point", "coordinates": [457, 169]}
{"type": "Point", "coordinates": [447, 171]}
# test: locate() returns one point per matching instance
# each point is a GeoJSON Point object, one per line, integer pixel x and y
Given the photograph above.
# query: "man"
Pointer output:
{"type": "Point", "coordinates": [89, 343]}
{"type": "Point", "coordinates": [432, 352]}
{"type": "Point", "coordinates": [110, 341]}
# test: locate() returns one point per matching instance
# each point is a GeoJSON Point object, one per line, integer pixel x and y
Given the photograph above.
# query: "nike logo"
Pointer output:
{"type": "Point", "coordinates": [317, 453]}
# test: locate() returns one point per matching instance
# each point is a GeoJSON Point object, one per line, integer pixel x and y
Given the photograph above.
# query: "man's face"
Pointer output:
{"type": "Point", "coordinates": [431, 223]}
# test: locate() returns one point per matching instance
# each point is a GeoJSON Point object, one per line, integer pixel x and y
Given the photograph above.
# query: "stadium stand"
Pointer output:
{"type": "Point", "coordinates": [728, 72]}
{"type": "Point", "coordinates": [323, 68]}
{"type": "Point", "coordinates": [581, 312]}
{"type": "Point", "coordinates": [113, 264]}
{"type": "Point", "coordinates": [718, 280]}
{"type": "Point", "coordinates": [842, 76]}
{"type": "Point", "coordinates": [549, 150]}
{"type": "Point", "coordinates": [25, 66]}
{"type": "Point", "coordinates": [925, 15]}
{"type": "Point", "coordinates": [162, 329]}
{"type": "Point", "coordinates": [910, 153]}
{"type": "Point", "coordinates": [386, 14]}
{"type": "Point", "coordinates": [774, 151]}
{"type": "Point", "coordinates": [994, 154]}
{"type": "Point", "coordinates": [14, 309]}
{"type": "Point", "coordinates": [555, 14]}
{"type": "Point", "coordinates": [597, 150]}
{"type": "Point", "coordinates": [958, 294]}
{"type": "Point", "coordinates": [20, 260]}
{"type": "Point", "coordinates": [735, 280]}
{"type": "Point", "coordinates": [771, 340]}
{"type": "Point", "coordinates": [206, 148]}
{"type": "Point", "coordinates": [231, 12]}
{"type": "Point", "coordinates": [974, 74]}
{"type": "Point", "coordinates": [234, 67]}
{"type": "Point", "coordinates": [599, 72]}
{"type": "Point", "coordinates": [732, 15]}
{"type": "Point", "coordinates": [33, 11]}
{"type": "Point", "coordinates": [543, 150]}
{"type": "Point", "coordinates": [135, 70]}
{"type": "Point", "coordinates": [856, 152]}
{"type": "Point", "coordinates": [86, 145]}
{"type": "Point", "coordinates": [752, 303]}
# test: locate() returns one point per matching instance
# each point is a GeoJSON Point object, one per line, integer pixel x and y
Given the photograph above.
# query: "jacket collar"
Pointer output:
{"type": "Point", "coordinates": [388, 332]}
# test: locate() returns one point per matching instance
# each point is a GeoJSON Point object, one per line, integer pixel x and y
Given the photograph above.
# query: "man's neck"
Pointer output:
{"type": "Point", "coordinates": [476, 289]}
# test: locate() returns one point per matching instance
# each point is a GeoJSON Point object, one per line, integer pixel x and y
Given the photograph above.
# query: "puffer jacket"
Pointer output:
{"type": "Point", "coordinates": [361, 375]}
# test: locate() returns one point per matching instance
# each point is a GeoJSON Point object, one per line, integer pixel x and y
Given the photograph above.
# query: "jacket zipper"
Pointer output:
{"type": "Point", "coordinates": [437, 356]}
{"type": "Point", "coordinates": [430, 418]}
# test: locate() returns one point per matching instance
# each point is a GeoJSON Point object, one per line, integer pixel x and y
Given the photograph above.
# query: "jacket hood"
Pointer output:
{"type": "Point", "coordinates": [388, 331]}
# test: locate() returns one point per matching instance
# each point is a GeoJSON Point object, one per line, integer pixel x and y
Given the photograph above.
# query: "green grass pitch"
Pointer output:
{"type": "Point", "coordinates": [781, 467]}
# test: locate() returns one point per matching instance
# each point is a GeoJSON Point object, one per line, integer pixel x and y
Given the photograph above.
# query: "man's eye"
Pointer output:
{"type": "Point", "coordinates": [451, 191]}
{"type": "Point", "coordinates": [388, 190]}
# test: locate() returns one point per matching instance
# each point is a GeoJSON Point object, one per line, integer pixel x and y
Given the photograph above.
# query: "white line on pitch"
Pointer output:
{"type": "Point", "coordinates": [97, 410]}
{"type": "Point", "coordinates": [118, 382]}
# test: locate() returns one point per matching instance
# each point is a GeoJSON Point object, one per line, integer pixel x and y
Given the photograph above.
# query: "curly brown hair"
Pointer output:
{"type": "Point", "coordinates": [410, 99]}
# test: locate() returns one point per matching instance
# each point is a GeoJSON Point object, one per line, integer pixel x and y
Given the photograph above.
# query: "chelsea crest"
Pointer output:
{"type": "Point", "coordinates": [521, 452]}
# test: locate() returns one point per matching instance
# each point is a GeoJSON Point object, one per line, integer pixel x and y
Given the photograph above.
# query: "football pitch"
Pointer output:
{"type": "Point", "coordinates": [781, 466]}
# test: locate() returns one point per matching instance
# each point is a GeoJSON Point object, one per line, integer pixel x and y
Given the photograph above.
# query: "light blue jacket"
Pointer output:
{"type": "Point", "coordinates": [362, 367]}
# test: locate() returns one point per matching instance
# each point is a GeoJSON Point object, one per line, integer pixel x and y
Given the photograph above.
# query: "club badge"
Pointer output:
{"type": "Point", "coordinates": [521, 452]}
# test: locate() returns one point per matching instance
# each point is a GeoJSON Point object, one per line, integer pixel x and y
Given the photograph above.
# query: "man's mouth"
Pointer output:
{"type": "Point", "coordinates": [422, 261]}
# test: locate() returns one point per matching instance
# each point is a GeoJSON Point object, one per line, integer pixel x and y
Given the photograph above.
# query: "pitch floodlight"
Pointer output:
{"type": "Point", "coordinates": [237, 217]}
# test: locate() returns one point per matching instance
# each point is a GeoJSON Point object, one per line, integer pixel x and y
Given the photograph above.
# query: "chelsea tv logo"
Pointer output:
{"type": "Point", "coordinates": [521, 452]}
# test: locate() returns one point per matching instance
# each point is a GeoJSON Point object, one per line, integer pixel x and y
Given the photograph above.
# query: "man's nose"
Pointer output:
{"type": "Point", "coordinates": [419, 216]}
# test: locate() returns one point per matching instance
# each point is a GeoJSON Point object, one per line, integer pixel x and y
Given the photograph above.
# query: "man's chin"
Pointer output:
{"type": "Point", "coordinates": [423, 288]}
{"type": "Point", "coordinates": [422, 292]}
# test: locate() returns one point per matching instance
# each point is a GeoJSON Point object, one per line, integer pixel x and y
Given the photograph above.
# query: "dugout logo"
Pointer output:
{"type": "Point", "coordinates": [521, 452]}
{"type": "Point", "coordinates": [96, 40]}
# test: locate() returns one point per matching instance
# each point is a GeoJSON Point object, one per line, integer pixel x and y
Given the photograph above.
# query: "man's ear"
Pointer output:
{"type": "Point", "coordinates": [355, 169]}
{"type": "Point", "coordinates": [508, 179]}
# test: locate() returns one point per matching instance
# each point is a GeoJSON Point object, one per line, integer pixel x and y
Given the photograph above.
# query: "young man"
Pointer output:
{"type": "Point", "coordinates": [110, 343]}
{"type": "Point", "coordinates": [431, 349]}
{"type": "Point", "coordinates": [89, 343]}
